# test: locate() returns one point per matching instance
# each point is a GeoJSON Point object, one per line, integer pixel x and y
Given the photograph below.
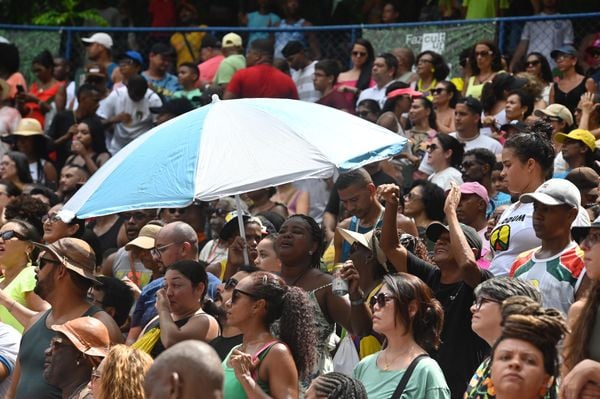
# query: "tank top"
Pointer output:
{"type": "Point", "coordinates": [232, 389]}
{"type": "Point", "coordinates": [31, 359]}
{"type": "Point", "coordinates": [594, 343]}
{"type": "Point", "coordinates": [108, 240]}
{"type": "Point", "coordinates": [571, 98]}
{"type": "Point", "coordinates": [324, 330]}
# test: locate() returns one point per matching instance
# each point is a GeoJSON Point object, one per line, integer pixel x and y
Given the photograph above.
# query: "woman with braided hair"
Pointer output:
{"type": "Point", "coordinates": [524, 359]}
{"type": "Point", "coordinates": [335, 386]}
{"type": "Point", "coordinates": [262, 364]}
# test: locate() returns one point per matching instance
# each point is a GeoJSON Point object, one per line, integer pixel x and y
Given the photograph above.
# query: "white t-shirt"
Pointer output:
{"type": "Point", "coordinates": [10, 339]}
{"type": "Point", "coordinates": [514, 234]}
{"type": "Point", "coordinates": [481, 141]}
{"type": "Point", "coordinates": [303, 78]}
{"type": "Point", "coordinates": [445, 177]}
{"type": "Point", "coordinates": [545, 36]}
{"type": "Point", "coordinates": [374, 93]}
{"type": "Point", "coordinates": [142, 119]}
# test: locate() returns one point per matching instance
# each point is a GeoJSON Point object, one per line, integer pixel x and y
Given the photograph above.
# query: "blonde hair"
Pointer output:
{"type": "Point", "coordinates": [123, 373]}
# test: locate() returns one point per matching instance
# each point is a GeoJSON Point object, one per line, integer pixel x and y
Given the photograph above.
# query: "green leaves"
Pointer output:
{"type": "Point", "coordinates": [68, 14]}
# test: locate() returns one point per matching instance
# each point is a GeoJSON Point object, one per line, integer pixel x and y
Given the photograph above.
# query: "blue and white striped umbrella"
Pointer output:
{"type": "Point", "coordinates": [232, 147]}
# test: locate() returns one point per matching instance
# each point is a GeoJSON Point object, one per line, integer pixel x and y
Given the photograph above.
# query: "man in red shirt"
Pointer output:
{"type": "Point", "coordinates": [260, 78]}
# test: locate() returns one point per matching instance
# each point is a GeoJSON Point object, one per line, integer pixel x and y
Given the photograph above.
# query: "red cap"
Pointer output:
{"type": "Point", "coordinates": [403, 92]}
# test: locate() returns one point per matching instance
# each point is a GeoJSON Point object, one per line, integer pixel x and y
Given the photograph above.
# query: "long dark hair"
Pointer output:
{"type": "Point", "coordinates": [22, 166]}
{"type": "Point", "coordinates": [426, 324]}
{"type": "Point", "coordinates": [458, 149]}
{"type": "Point", "coordinates": [364, 79]}
{"type": "Point", "coordinates": [545, 69]}
{"type": "Point", "coordinates": [496, 60]}
{"type": "Point", "coordinates": [451, 90]}
{"type": "Point", "coordinates": [425, 102]}
{"type": "Point", "coordinates": [295, 312]}
{"type": "Point", "coordinates": [433, 199]}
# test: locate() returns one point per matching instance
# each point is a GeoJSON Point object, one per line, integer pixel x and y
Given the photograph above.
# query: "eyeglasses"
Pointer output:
{"type": "Point", "coordinates": [236, 295]}
{"type": "Point", "coordinates": [380, 299]}
{"type": "Point", "coordinates": [532, 63]}
{"type": "Point", "coordinates": [424, 61]}
{"type": "Point", "coordinates": [44, 261]}
{"type": "Point", "coordinates": [590, 240]}
{"type": "Point", "coordinates": [359, 54]}
{"type": "Point", "coordinates": [230, 283]}
{"type": "Point", "coordinates": [483, 53]}
{"type": "Point", "coordinates": [437, 91]}
{"type": "Point", "coordinates": [10, 234]}
{"type": "Point", "coordinates": [137, 216]}
{"type": "Point", "coordinates": [432, 147]}
{"type": "Point", "coordinates": [51, 218]}
{"type": "Point", "coordinates": [412, 197]}
{"type": "Point", "coordinates": [95, 375]}
{"type": "Point", "coordinates": [481, 300]}
{"type": "Point", "coordinates": [158, 251]}
{"type": "Point", "coordinates": [552, 119]}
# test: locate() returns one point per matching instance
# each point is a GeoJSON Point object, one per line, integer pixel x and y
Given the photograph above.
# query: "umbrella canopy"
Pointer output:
{"type": "Point", "coordinates": [232, 147]}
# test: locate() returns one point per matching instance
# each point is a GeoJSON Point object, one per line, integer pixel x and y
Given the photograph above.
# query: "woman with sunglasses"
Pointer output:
{"type": "Point", "coordinates": [571, 86]}
{"type": "Point", "coordinates": [300, 245]}
{"type": "Point", "coordinates": [485, 62]}
{"type": "Point", "coordinates": [180, 313]}
{"type": "Point", "coordinates": [120, 375]}
{"type": "Point", "coordinates": [444, 100]}
{"type": "Point", "coordinates": [18, 280]}
{"type": "Point", "coordinates": [424, 203]}
{"type": "Point", "coordinates": [445, 157]}
{"type": "Point", "coordinates": [524, 359]}
{"type": "Point", "coordinates": [409, 317]}
{"type": "Point", "coordinates": [264, 365]}
{"type": "Point", "coordinates": [431, 68]}
{"type": "Point", "coordinates": [358, 77]}
{"type": "Point", "coordinates": [537, 65]}
{"type": "Point", "coordinates": [581, 364]}
{"type": "Point", "coordinates": [487, 312]}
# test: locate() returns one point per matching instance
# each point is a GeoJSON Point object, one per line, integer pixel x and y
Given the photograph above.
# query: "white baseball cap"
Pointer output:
{"type": "Point", "coordinates": [103, 39]}
{"type": "Point", "coordinates": [555, 192]}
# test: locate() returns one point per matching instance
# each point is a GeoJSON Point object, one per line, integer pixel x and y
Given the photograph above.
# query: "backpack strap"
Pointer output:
{"type": "Point", "coordinates": [406, 377]}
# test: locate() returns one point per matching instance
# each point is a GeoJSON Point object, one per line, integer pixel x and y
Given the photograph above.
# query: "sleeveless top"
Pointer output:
{"type": "Point", "coordinates": [594, 343]}
{"type": "Point", "coordinates": [355, 226]}
{"type": "Point", "coordinates": [282, 38]}
{"type": "Point", "coordinates": [474, 89]}
{"type": "Point", "coordinates": [324, 331]}
{"type": "Point", "coordinates": [232, 389]}
{"type": "Point", "coordinates": [108, 240]}
{"type": "Point", "coordinates": [293, 202]}
{"type": "Point", "coordinates": [31, 359]}
{"type": "Point", "coordinates": [571, 98]}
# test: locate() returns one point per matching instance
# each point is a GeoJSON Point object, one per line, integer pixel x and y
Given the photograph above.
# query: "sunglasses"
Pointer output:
{"type": "Point", "coordinates": [432, 147]}
{"type": "Point", "coordinates": [218, 211]}
{"type": "Point", "coordinates": [230, 283]}
{"type": "Point", "coordinates": [138, 216]}
{"type": "Point", "coordinates": [412, 197]}
{"type": "Point", "coordinates": [437, 91]}
{"type": "Point", "coordinates": [552, 119]}
{"type": "Point", "coordinates": [10, 234]}
{"type": "Point", "coordinates": [359, 54]}
{"type": "Point", "coordinates": [483, 53]}
{"type": "Point", "coordinates": [481, 300]}
{"type": "Point", "coordinates": [380, 299]}
{"type": "Point", "coordinates": [532, 63]}
{"type": "Point", "coordinates": [51, 218]}
{"type": "Point", "coordinates": [44, 261]}
{"type": "Point", "coordinates": [236, 295]}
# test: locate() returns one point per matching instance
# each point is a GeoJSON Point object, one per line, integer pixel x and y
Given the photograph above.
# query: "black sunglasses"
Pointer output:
{"type": "Point", "coordinates": [236, 294]}
{"type": "Point", "coordinates": [230, 283]}
{"type": "Point", "coordinates": [10, 234]}
{"type": "Point", "coordinates": [380, 299]}
{"type": "Point", "coordinates": [532, 63]}
{"type": "Point", "coordinates": [432, 147]}
{"type": "Point", "coordinates": [437, 91]}
{"type": "Point", "coordinates": [135, 215]}
{"type": "Point", "coordinates": [44, 261]}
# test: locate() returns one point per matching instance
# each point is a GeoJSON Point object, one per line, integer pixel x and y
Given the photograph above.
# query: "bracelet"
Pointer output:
{"type": "Point", "coordinates": [357, 302]}
{"type": "Point", "coordinates": [12, 305]}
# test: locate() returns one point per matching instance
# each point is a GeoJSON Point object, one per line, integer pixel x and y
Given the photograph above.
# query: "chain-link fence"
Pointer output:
{"type": "Point", "coordinates": [445, 37]}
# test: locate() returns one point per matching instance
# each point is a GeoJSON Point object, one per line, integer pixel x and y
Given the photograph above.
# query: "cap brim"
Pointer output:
{"type": "Point", "coordinates": [230, 227]}
{"type": "Point", "coordinates": [352, 236]}
{"type": "Point", "coordinates": [540, 113]}
{"type": "Point", "coordinates": [560, 137]}
{"type": "Point", "coordinates": [435, 230]}
{"type": "Point", "coordinates": [540, 197]}
{"type": "Point", "coordinates": [90, 351]}
{"type": "Point", "coordinates": [68, 265]}
{"type": "Point", "coordinates": [140, 242]}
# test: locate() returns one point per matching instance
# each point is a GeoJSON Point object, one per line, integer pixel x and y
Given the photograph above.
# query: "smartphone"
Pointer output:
{"type": "Point", "coordinates": [20, 89]}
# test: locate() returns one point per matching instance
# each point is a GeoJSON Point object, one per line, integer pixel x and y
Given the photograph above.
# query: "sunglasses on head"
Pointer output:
{"type": "Point", "coordinates": [380, 299]}
{"type": "Point", "coordinates": [10, 234]}
{"type": "Point", "coordinates": [230, 283]}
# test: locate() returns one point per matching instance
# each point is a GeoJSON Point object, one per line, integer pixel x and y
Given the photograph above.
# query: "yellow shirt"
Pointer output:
{"type": "Point", "coordinates": [183, 50]}
{"type": "Point", "coordinates": [17, 289]}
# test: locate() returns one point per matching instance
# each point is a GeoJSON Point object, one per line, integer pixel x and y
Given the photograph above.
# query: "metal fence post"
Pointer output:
{"type": "Point", "coordinates": [500, 39]}
{"type": "Point", "coordinates": [68, 44]}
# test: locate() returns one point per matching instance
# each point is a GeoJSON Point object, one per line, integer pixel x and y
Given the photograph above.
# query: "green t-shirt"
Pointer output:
{"type": "Point", "coordinates": [477, 9]}
{"type": "Point", "coordinates": [17, 289]}
{"type": "Point", "coordinates": [192, 95]}
{"type": "Point", "coordinates": [427, 380]}
{"type": "Point", "coordinates": [228, 67]}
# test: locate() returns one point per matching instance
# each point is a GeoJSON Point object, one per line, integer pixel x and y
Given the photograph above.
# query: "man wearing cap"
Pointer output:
{"type": "Point", "coordinates": [130, 63]}
{"type": "Point", "coordinates": [383, 73]}
{"type": "Point", "coordinates": [472, 210]}
{"type": "Point", "coordinates": [231, 47]}
{"type": "Point", "coordinates": [260, 79]}
{"type": "Point", "coordinates": [98, 48]}
{"type": "Point", "coordinates": [543, 36]}
{"type": "Point", "coordinates": [561, 119]}
{"type": "Point", "coordinates": [210, 57]}
{"type": "Point", "coordinates": [578, 149]}
{"type": "Point", "coordinates": [128, 110]}
{"type": "Point", "coordinates": [64, 276]}
{"type": "Point", "coordinates": [303, 70]}
{"type": "Point", "coordinates": [174, 242]}
{"type": "Point", "coordinates": [556, 266]}
{"type": "Point", "coordinates": [467, 120]}
{"type": "Point", "coordinates": [453, 280]}
{"type": "Point", "coordinates": [157, 75]}
{"type": "Point", "coordinates": [78, 346]}
{"type": "Point", "coordinates": [182, 369]}
{"type": "Point", "coordinates": [587, 181]}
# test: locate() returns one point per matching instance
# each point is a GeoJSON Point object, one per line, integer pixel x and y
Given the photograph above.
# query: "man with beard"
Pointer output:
{"type": "Point", "coordinates": [174, 242]}
{"type": "Point", "coordinates": [64, 276]}
{"type": "Point", "coordinates": [215, 250]}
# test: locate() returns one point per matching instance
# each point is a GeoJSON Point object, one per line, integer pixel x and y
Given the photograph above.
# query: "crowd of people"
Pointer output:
{"type": "Point", "coordinates": [453, 269]}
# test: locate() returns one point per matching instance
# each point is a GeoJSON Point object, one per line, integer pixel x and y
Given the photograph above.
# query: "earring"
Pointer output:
{"type": "Point", "coordinates": [310, 252]}
{"type": "Point", "coordinates": [77, 363]}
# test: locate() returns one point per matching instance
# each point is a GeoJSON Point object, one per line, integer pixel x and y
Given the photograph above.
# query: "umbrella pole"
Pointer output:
{"type": "Point", "coordinates": [238, 205]}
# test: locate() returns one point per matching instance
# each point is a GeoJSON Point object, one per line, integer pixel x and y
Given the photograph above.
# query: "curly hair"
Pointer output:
{"type": "Point", "coordinates": [123, 373]}
{"type": "Point", "coordinates": [525, 319]}
{"type": "Point", "coordinates": [317, 236]}
{"type": "Point", "coordinates": [295, 312]}
{"type": "Point", "coordinates": [426, 324]}
{"type": "Point", "coordinates": [440, 68]}
{"type": "Point", "coordinates": [336, 385]}
{"type": "Point", "coordinates": [27, 208]}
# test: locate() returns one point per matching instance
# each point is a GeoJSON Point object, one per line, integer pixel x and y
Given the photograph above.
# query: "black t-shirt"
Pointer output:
{"type": "Point", "coordinates": [224, 345]}
{"type": "Point", "coordinates": [461, 350]}
{"type": "Point", "coordinates": [379, 178]}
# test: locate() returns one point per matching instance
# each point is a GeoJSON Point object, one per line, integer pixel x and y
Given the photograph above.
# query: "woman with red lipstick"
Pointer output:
{"type": "Point", "coordinates": [409, 317]}
{"type": "Point", "coordinates": [524, 360]}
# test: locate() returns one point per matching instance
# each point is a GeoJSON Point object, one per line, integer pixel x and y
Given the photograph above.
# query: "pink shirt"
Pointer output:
{"type": "Point", "coordinates": [208, 69]}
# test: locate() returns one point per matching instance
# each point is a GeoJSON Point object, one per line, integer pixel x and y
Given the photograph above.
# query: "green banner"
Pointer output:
{"type": "Point", "coordinates": [447, 40]}
{"type": "Point", "coordinates": [30, 44]}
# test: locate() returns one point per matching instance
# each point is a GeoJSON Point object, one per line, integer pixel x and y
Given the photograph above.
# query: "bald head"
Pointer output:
{"type": "Point", "coordinates": [174, 242]}
{"type": "Point", "coordinates": [180, 370]}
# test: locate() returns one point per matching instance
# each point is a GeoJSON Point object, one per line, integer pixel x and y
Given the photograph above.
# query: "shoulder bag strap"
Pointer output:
{"type": "Point", "coordinates": [406, 377]}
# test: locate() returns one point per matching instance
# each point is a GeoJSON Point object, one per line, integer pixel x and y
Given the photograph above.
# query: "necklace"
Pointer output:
{"type": "Point", "coordinates": [293, 283]}
{"type": "Point", "coordinates": [386, 364]}
{"type": "Point", "coordinates": [484, 79]}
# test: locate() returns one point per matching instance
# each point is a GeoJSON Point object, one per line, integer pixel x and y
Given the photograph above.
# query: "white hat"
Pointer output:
{"type": "Point", "coordinates": [102, 39]}
{"type": "Point", "coordinates": [367, 240]}
{"type": "Point", "coordinates": [555, 192]}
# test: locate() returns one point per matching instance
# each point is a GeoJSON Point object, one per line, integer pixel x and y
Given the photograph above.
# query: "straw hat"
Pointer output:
{"type": "Point", "coordinates": [29, 127]}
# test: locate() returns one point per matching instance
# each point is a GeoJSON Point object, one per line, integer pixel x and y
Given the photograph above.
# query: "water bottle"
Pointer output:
{"type": "Point", "coordinates": [339, 286]}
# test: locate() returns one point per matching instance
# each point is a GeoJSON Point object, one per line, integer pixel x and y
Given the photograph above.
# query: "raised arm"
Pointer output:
{"type": "Point", "coordinates": [390, 244]}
